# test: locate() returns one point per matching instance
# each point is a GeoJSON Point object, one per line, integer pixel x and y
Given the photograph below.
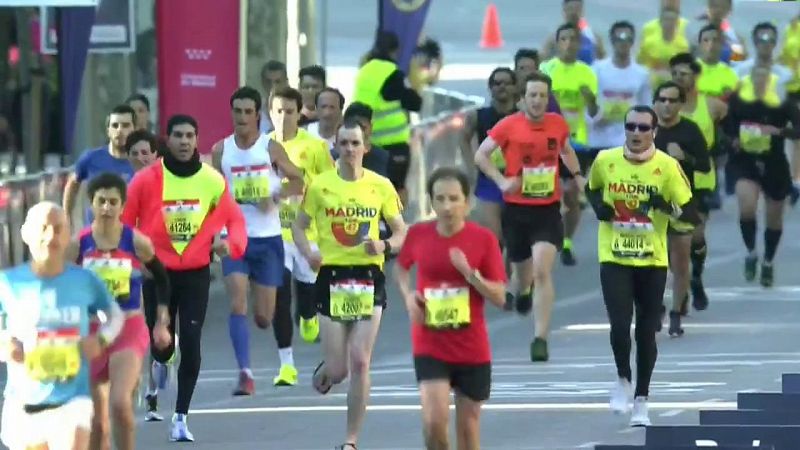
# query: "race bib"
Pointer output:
{"type": "Point", "coordinates": [56, 356]}
{"type": "Point", "coordinates": [115, 273]}
{"type": "Point", "coordinates": [614, 111]}
{"type": "Point", "coordinates": [538, 182]}
{"type": "Point", "coordinates": [250, 183]}
{"type": "Point", "coordinates": [447, 307]}
{"type": "Point", "coordinates": [632, 240]}
{"type": "Point", "coordinates": [352, 300]}
{"type": "Point", "coordinates": [288, 212]}
{"type": "Point", "coordinates": [183, 219]}
{"type": "Point", "coordinates": [752, 140]}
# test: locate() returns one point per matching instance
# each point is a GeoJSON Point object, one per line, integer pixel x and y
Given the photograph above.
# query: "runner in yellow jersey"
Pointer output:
{"type": "Point", "coordinates": [717, 79]}
{"type": "Point", "coordinates": [575, 89]}
{"type": "Point", "coordinates": [654, 25]}
{"type": "Point", "coordinates": [311, 155]}
{"type": "Point", "coordinates": [706, 112]}
{"type": "Point", "coordinates": [660, 45]}
{"type": "Point", "coordinates": [635, 191]}
{"type": "Point", "coordinates": [346, 206]}
{"type": "Point", "coordinates": [790, 57]}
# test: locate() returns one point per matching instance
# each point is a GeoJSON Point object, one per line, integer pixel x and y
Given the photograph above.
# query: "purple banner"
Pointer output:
{"type": "Point", "coordinates": [405, 18]}
{"type": "Point", "coordinates": [74, 29]}
{"type": "Point", "coordinates": [112, 32]}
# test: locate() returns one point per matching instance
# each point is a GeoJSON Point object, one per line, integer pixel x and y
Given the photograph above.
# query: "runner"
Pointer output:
{"type": "Point", "coordinates": [682, 139]}
{"type": "Point", "coordinates": [717, 79]}
{"type": "Point", "coordinates": [733, 44]}
{"type": "Point", "coordinates": [248, 160]}
{"type": "Point", "coordinates": [635, 191]}
{"type": "Point", "coordinates": [706, 112]}
{"type": "Point", "coordinates": [45, 307]}
{"type": "Point", "coordinates": [273, 77]}
{"type": "Point", "coordinates": [653, 26]}
{"type": "Point", "coordinates": [142, 149]}
{"type": "Point", "coordinates": [590, 44]}
{"type": "Point", "coordinates": [117, 254]}
{"type": "Point", "coordinates": [108, 158]}
{"type": "Point", "coordinates": [312, 82]}
{"type": "Point", "coordinates": [575, 88]}
{"type": "Point", "coordinates": [376, 159]}
{"type": "Point", "coordinates": [141, 108]}
{"type": "Point", "coordinates": [665, 39]}
{"type": "Point", "coordinates": [758, 120]}
{"type": "Point", "coordinates": [311, 155]}
{"type": "Point", "coordinates": [531, 142]}
{"type": "Point", "coordinates": [193, 207]}
{"type": "Point", "coordinates": [346, 204]}
{"type": "Point", "coordinates": [330, 104]}
{"type": "Point", "coordinates": [790, 57]}
{"type": "Point", "coordinates": [621, 83]}
{"type": "Point", "coordinates": [458, 265]}
{"type": "Point", "coordinates": [765, 39]}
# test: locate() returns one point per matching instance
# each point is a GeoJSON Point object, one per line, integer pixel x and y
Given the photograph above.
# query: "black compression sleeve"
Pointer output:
{"type": "Point", "coordinates": [690, 213]}
{"type": "Point", "coordinates": [161, 280]}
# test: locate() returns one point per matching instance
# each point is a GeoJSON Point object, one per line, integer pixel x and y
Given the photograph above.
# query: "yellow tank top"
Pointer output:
{"type": "Point", "coordinates": [715, 79]}
{"type": "Point", "coordinates": [790, 54]}
{"type": "Point", "coordinates": [655, 53]}
{"type": "Point", "coordinates": [702, 117]}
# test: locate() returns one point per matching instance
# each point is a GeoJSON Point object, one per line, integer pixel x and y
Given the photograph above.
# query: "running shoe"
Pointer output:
{"type": "Point", "coordinates": [699, 297]}
{"type": "Point", "coordinates": [246, 386]}
{"type": "Point", "coordinates": [750, 266]}
{"type": "Point", "coordinates": [621, 396]}
{"type": "Point", "coordinates": [767, 277]}
{"type": "Point", "coordinates": [567, 257]}
{"type": "Point", "coordinates": [675, 329]}
{"type": "Point", "coordinates": [309, 329]}
{"type": "Point", "coordinates": [180, 431]}
{"type": "Point", "coordinates": [287, 376]}
{"type": "Point", "coordinates": [524, 303]}
{"type": "Point", "coordinates": [539, 350]}
{"type": "Point", "coordinates": [152, 414]}
{"type": "Point", "coordinates": [639, 415]}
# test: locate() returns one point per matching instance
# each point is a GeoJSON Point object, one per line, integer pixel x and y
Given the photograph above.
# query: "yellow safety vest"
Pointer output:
{"type": "Point", "coordinates": [389, 119]}
{"type": "Point", "coordinates": [187, 201]}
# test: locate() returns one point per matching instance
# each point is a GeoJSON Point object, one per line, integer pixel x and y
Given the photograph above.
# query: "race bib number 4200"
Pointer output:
{"type": "Point", "coordinates": [352, 300]}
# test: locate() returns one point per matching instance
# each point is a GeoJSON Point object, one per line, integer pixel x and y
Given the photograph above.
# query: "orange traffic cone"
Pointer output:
{"type": "Point", "coordinates": [490, 34]}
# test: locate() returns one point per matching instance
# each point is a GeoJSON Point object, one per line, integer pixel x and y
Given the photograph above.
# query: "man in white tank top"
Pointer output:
{"type": "Point", "coordinates": [250, 160]}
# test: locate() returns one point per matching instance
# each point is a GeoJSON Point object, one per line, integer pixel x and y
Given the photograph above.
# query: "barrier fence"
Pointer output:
{"type": "Point", "coordinates": [435, 143]}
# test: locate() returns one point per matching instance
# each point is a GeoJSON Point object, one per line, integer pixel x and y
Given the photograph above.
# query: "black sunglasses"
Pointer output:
{"type": "Point", "coordinates": [641, 127]}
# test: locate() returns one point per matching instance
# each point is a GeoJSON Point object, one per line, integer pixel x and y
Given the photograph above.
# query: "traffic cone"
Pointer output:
{"type": "Point", "coordinates": [490, 34]}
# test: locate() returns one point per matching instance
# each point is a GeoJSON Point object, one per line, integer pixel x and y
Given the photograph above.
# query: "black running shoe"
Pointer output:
{"type": "Point", "coordinates": [750, 266]}
{"type": "Point", "coordinates": [567, 258]}
{"type": "Point", "coordinates": [675, 329]}
{"type": "Point", "coordinates": [699, 297]}
{"type": "Point", "coordinates": [539, 350]}
{"type": "Point", "coordinates": [766, 275]}
{"type": "Point", "coordinates": [524, 303]}
{"type": "Point", "coordinates": [152, 414]}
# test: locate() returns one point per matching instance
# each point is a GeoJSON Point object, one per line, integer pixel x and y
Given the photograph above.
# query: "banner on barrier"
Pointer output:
{"type": "Point", "coordinates": [198, 64]}
{"type": "Point", "coordinates": [780, 437]}
{"type": "Point", "coordinates": [750, 417]}
{"type": "Point", "coordinates": [768, 400]}
{"type": "Point", "coordinates": [681, 447]}
{"type": "Point", "coordinates": [112, 31]}
{"type": "Point", "coordinates": [790, 383]}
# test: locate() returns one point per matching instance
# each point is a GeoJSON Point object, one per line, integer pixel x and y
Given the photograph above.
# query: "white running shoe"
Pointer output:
{"type": "Point", "coordinates": [180, 431]}
{"type": "Point", "coordinates": [621, 396]}
{"type": "Point", "coordinates": [639, 416]}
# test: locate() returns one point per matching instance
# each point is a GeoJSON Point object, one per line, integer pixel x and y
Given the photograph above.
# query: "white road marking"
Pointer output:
{"type": "Point", "coordinates": [671, 413]}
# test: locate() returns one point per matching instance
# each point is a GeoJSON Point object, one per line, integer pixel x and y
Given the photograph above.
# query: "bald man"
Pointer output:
{"type": "Point", "coordinates": [46, 306]}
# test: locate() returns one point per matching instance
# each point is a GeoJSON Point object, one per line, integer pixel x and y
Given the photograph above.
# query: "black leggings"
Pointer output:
{"type": "Point", "coordinates": [188, 302]}
{"type": "Point", "coordinates": [624, 287]}
{"type": "Point", "coordinates": [282, 322]}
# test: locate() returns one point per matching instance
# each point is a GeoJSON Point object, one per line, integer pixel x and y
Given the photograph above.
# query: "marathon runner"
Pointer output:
{"type": "Point", "coordinates": [142, 149]}
{"type": "Point", "coordinates": [141, 108]}
{"type": "Point", "coordinates": [706, 112]}
{"type": "Point", "coordinates": [757, 121]}
{"type": "Point", "coordinates": [635, 190]}
{"type": "Point", "coordinates": [312, 157]}
{"type": "Point", "coordinates": [662, 39]}
{"type": "Point", "coordinates": [312, 82]}
{"type": "Point", "coordinates": [345, 205]}
{"type": "Point", "coordinates": [273, 77]}
{"type": "Point", "coordinates": [591, 44]}
{"type": "Point", "coordinates": [733, 44]}
{"type": "Point", "coordinates": [249, 159]}
{"type": "Point", "coordinates": [654, 26]}
{"type": "Point", "coordinates": [459, 264]}
{"type": "Point", "coordinates": [532, 141]}
{"type": "Point", "coordinates": [376, 159]}
{"type": "Point", "coordinates": [575, 88]}
{"type": "Point", "coordinates": [765, 39]}
{"type": "Point", "coordinates": [716, 79]}
{"type": "Point", "coordinates": [117, 254]}
{"type": "Point", "coordinates": [45, 309]}
{"type": "Point", "coordinates": [790, 57]}
{"type": "Point", "coordinates": [682, 139]}
{"type": "Point", "coordinates": [193, 206]}
{"type": "Point", "coordinates": [330, 103]}
{"type": "Point", "coordinates": [108, 158]}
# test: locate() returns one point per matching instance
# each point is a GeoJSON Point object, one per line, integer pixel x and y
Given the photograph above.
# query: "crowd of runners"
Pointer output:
{"type": "Point", "coordinates": [303, 203]}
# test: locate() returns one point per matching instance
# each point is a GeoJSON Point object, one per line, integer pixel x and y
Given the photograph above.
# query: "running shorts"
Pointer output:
{"type": "Point", "coordinates": [21, 429]}
{"type": "Point", "coordinates": [134, 336]}
{"type": "Point", "coordinates": [261, 261]}
{"type": "Point", "coordinates": [472, 380]}
{"type": "Point", "coordinates": [295, 263]}
{"type": "Point", "coordinates": [330, 275]}
{"type": "Point", "coordinates": [771, 172]}
{"type": "Point", "coordinates": [525, 225]}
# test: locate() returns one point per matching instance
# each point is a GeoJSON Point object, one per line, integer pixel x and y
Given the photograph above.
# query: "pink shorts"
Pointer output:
{"type": "Point", "coordinates": [134, 336]}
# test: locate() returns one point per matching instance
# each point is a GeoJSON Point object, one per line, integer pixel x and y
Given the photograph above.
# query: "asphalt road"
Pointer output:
{"type": "Point", "coordinates": [745, 341]}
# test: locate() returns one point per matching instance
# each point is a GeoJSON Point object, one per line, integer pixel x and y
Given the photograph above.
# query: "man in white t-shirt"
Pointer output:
{"type": "Point", "coordinates": [622, 83]}
{"type": "Point", "coordinates": [330, 103]}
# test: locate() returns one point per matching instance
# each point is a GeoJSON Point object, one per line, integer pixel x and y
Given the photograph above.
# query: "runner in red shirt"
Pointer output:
{"type": "Point", "coordinates": [459, 263]}
{"type": "Point", "coordinates": [532, 142]}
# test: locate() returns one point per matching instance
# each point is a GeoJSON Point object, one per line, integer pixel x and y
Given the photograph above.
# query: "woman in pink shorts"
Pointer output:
{"type": "Point", "coordinates": [118, 254]}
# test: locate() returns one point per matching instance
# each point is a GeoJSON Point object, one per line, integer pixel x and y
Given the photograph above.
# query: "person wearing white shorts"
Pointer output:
{"type": "Point", "coordinates": [57, 428]}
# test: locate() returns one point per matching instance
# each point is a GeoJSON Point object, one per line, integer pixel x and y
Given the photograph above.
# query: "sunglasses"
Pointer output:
{"type": "Point", "coordinates": [641, 127]}
{"type": "Point", "coordinates": [668, 100]}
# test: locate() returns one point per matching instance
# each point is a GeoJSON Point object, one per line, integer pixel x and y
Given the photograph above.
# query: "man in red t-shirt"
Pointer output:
{"type": "Point", "coordinates": [532, 141]}
{"type": "Point", "coordinates": [459, 263]}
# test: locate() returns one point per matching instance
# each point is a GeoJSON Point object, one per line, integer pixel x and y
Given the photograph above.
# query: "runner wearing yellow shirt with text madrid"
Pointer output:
{"type": "Point", "coordinates": [346, 206]}
{"type": "Point", "coordinates": [635, 190]}
{"type": "Point", "coordinates": [311, 155]}
{"type": "Point", "coordinates": [575, 88]}
{"type": "Point", "coordinates": [706, 112]}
